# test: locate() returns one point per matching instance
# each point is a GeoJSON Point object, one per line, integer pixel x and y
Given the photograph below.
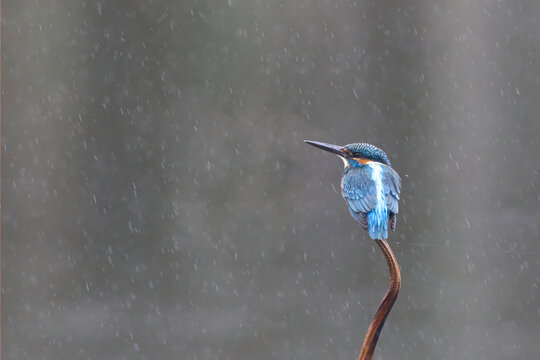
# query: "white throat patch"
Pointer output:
{"type": "Point", "coordinates": [345, 162]}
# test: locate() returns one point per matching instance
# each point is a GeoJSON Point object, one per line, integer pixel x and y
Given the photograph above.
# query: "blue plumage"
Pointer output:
{"type": "Point", "coordinates": [369, 186]}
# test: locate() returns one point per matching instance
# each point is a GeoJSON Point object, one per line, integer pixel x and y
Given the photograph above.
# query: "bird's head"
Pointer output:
{"type": "Point", "coordinates": [356, 154]}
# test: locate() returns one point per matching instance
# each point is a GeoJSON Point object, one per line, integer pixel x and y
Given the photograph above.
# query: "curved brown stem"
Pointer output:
{"type": "Point", "coordinates": [370, 341]}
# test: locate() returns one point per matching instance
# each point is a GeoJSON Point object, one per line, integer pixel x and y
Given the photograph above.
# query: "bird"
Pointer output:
{"type": "Point", "coordinates": [371, 189]}
{"type": "Point", "coordinates": [369, 186]}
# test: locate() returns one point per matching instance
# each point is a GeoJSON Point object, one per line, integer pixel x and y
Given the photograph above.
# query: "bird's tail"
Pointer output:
{"type": "Point", "coordinates": [378, 224]}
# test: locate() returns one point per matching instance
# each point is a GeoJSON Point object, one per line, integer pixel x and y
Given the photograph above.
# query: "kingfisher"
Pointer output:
{"type": "Point", "coordinates": [369, 186]}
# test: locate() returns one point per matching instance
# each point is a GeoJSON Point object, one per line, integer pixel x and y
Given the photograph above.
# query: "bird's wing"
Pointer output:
{"type": "Point", "coordinates": [360, 217]}
{"type": "Point", "coordinates": [392, 220]}
{"type": "Point", "coordinates": [392, 188]}
{"type": "Point", "coordinates": [359, 192]}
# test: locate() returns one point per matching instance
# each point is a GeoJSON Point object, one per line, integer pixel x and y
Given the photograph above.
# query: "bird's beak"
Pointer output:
{"type": "Point", "coordinates": [336, 149]}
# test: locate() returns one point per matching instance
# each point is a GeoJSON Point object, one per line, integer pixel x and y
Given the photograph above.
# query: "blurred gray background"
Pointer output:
{"type": "Point", "coordinates": [159, 201]}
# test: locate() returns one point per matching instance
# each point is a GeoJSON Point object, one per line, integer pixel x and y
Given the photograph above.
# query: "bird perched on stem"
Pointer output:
{"type": "Point", "coordinates": [369, 185]}
{"type": "Point", "coordinates": [371, 189]}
